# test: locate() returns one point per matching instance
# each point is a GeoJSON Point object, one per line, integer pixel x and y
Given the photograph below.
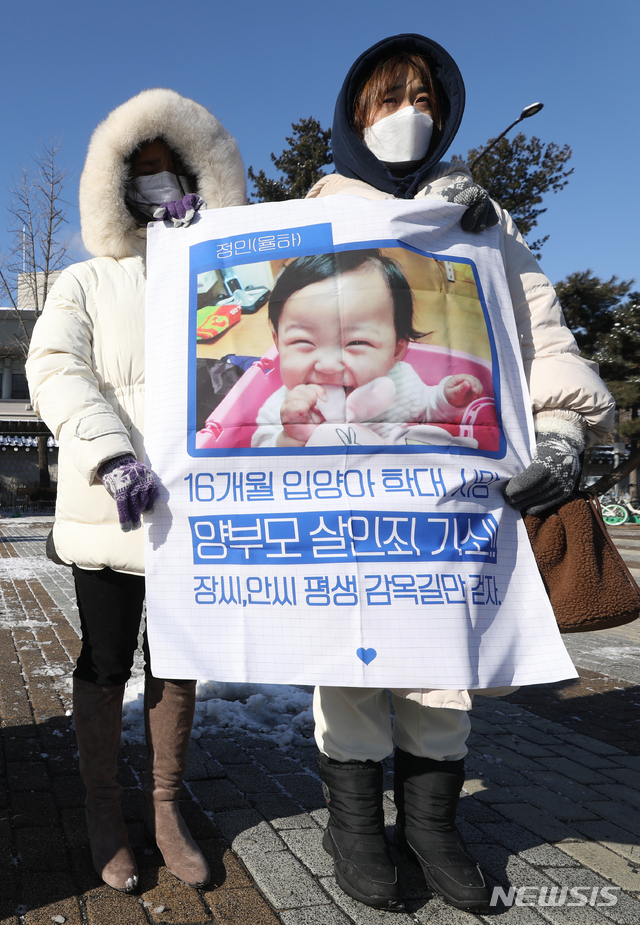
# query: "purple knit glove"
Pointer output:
{"type": "Point", "coordinates": [133, 486]}
{"type": "Point", "coordinates": [180, 211]}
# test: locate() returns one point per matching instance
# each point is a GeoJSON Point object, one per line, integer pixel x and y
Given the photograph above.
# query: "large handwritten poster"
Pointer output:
{"type": "Point", "coordinates": [335, 400]}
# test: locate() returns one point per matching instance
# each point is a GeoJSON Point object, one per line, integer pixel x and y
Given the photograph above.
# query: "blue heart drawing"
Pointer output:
{"type": "Point", "coordinates": [366, 655]}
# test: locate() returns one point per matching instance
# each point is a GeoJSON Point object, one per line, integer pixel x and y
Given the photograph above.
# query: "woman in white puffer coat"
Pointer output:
{"type": "Point", "coordinates": [396, 115]}
{"type": "Point", "coordinates": [86, 378]}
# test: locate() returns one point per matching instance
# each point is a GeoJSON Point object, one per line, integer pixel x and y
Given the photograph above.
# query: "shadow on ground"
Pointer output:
{"type": "Point", "coordinates": [236, 782]}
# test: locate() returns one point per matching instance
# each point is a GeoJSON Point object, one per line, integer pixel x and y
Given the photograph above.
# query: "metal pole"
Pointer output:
{"type": "Point", "coordinates": [526, 113]}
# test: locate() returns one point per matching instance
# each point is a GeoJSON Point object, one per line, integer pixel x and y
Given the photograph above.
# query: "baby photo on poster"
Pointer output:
{"type": "Point", "coordinates": [378, 348]}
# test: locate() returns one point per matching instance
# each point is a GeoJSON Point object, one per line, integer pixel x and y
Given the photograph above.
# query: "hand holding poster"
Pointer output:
{"type": "Point", "coordinates": [335, 402]}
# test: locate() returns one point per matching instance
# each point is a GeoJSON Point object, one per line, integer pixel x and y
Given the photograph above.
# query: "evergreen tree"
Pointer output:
{"type": "Point", "coordinates": [588, 304]}
{"type": "Point", "coordinates": [517, 173]}
{"type": "Point", "coordinates": [618, 354]}
{"type": "Point", "coordinates": [607, 329]}
{"type": "Point", "coordinates": [300, 164]}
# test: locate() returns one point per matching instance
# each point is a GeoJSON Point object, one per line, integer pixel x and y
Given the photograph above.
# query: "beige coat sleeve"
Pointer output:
{"type": "Point", "coordinates": [557, 376]}
{"type": "Point", "coordinates": [64, 388]}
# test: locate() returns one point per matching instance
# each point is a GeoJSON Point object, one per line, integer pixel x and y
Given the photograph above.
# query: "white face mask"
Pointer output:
{"type": "Point", "coordinates": [402, 136]}
{"type": "Point", "coordinates": [157, 188]}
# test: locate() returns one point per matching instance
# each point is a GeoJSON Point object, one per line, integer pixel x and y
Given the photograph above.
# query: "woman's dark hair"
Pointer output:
{"type": "Point", "coordinates": [386, 74]}
{"type": "Point", "coordinates": [134, 206]}
{"type": "Point", "coordinates": [304, 271]}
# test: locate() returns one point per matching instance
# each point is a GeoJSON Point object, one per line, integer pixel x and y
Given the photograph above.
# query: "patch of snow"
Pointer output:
{"type": "Point", "coordinates": [23, 567]}
{"type": "Point", "coordinates": [49, 672]}
{"type": "Point", "coordinates": [616, 652]}
{"type": "Point", "coordinates": [23, 624]}
{"type": "Point", "coordinates": [280, 712]}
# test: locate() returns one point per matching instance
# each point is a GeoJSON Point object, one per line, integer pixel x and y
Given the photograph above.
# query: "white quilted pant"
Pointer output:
{"type": "Point", "coordinates": [354, 724]}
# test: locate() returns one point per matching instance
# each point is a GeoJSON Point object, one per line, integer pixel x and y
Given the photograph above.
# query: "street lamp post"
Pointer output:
{"type": "Point", "coordinates": [526, 113]}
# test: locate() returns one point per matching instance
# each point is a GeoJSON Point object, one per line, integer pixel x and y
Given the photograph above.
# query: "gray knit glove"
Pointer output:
{"type": "Point", "coordinates": [133, 486]}
{"type": "Point", "coordinates": [480, 212]}
{"type": "Point", "coordinates": [550, 478]}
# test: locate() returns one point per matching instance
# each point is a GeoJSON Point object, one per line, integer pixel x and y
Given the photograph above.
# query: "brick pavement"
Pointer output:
{"type": "Point", "coordinates": [552, 797]}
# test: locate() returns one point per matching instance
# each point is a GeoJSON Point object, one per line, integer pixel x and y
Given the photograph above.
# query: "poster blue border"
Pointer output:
{"type": "Point", "coordinates": [318, 240]}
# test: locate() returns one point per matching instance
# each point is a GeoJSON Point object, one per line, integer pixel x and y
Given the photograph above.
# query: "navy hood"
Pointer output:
{"type": "Point", "coordinates": [351, 156]}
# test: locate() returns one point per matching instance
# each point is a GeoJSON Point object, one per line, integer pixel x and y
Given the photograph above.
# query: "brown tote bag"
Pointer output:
{"type": "Point", "coordinates": [589, 585]}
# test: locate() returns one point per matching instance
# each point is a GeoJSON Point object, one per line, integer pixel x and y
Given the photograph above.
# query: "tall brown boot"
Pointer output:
{"type": "Point", "coordinates": [97, 716]}
{"type": "Point", "coordinates": [168, 715]}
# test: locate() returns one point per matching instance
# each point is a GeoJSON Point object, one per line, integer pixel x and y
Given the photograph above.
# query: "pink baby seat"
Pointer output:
{"type": "Point", "coordinates": [232, 423]}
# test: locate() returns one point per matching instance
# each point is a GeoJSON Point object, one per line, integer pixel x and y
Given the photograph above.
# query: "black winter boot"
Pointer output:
{"type": "Point", "coordinates": [426, 795]}
{"type": "Point", "coordinates": [355, 836]}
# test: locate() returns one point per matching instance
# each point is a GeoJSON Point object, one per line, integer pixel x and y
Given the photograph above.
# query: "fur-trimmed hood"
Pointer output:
{"type": "Point", "coordinates": [207, 150]}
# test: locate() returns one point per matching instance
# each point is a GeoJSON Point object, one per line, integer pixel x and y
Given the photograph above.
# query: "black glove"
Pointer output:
{"type": "Point", "coordinates": [480, 213]}
{"type": "Point", "coordinates": [550, 478]}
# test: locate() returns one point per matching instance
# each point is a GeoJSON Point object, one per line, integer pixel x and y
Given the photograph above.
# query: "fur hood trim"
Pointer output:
{"type": "Point", "coordinates": [205, 147]}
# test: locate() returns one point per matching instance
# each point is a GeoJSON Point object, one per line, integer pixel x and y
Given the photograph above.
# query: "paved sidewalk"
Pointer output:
{"type": "Point", "coordinates": [552, 797]}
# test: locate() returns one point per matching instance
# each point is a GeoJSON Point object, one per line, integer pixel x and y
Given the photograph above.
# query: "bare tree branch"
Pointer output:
{"type": "Point", "coordinates": [37, 215]}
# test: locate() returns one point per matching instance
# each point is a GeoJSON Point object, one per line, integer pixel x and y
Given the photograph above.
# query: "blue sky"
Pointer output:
{"type": "Point", "coordinates": [261, 66]}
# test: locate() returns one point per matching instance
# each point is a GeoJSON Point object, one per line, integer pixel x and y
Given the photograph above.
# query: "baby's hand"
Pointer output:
{"type": "Point", "coordinates": [462, 389]}
{"type": "Point", "coordinates": [299, 415]}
